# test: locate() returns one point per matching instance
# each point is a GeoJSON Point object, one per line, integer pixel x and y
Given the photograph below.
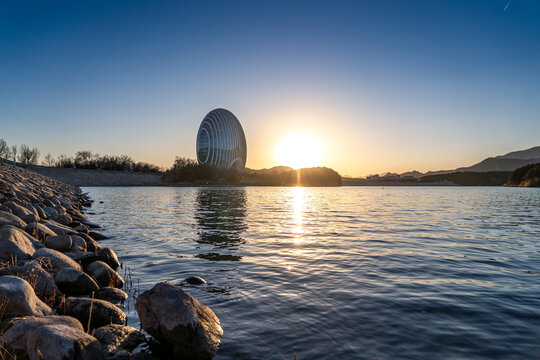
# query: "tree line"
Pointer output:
{"type": "Point", "coordinates": [82, 160]}
{"type": "Point", "coordinates": [22, 153]}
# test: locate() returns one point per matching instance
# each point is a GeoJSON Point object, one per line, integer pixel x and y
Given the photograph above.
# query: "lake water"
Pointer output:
{"type": "Point", "coordinates": [342, 273]}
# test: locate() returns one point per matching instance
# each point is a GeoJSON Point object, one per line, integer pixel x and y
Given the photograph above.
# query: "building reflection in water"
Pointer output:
{"type": "Point", "coordinates": [221, 220]}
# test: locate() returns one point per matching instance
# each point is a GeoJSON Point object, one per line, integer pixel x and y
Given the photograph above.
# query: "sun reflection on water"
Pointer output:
{"type": "Point", "coordinates": [298, 212]}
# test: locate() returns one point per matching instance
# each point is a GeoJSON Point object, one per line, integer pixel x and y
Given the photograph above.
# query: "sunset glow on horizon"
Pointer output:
{"type": "Point", "coordinates": [299, 150]}
{"type": "Point", "coordinates": [385, 86]}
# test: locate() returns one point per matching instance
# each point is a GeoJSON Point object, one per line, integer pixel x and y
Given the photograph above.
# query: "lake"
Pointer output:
{"type": "Point", "coordinates": [342, 273]}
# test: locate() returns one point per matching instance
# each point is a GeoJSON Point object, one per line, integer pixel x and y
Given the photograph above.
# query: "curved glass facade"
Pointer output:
{"type": "Point", "coordinates": [221, 141]}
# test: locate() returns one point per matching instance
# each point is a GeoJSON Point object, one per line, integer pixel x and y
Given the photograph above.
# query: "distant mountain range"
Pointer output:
{"type": "Point", "coordinates": [508, 162]}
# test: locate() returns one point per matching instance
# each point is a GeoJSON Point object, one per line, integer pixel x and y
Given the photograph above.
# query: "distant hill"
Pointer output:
{"type": "Point", "coordinates": [532, 153]}
{"type": "Point", "coordinates": [508, 162]}
{"type": "Point", "coordinates": [498, 164]}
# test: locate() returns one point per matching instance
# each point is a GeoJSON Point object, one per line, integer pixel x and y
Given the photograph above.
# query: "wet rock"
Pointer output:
{"type": "Point", "coordinates": [109, 257]}
{"type": "Point", "coordinates": [14, 244]}
{"type": "Point", "coordinates": [116, 337]}
{"type": "Point", "coordinates": [195, 280]}
{"type": "Point", "coordinates": [78, 244]}
{"type": "Point", "coordinates": [175, 318]}
{"type": "Point", "coordinates": [91, 225]}
{"type": "Point", "coordinates": [103, 312]}
{"type": "Point", "coordinates": [20, 298]}
{"type": "Point", "coordinates": [75, 282]}
{"type": "Point", "coordinates": [58, 242]}
{"type": "Point", "coordinates": [39, 230]}
{"type": "Point", "coordinates": [104, 275]}
{"type": "Point", "coordinates": [55, 260]}
{"type": "Point", "coordinates": [51, 337]}
{"type": "Point", "coordinates": [7, 218]}
{"type": "Point", "coordinates": [43, 283]}
{"type": "Point", "coordinates": [110, 294]}
{"type": "Point", "coordinates": [97, 236]}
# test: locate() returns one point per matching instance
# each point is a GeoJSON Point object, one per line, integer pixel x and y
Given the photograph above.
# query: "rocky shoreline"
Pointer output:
{"type": "Point", "coordinates": [61, 296]}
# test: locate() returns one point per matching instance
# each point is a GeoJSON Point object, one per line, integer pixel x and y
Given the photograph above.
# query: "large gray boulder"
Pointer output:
{"type": "Point", "coordinates": [20, 299]}
{"type": "Point", "coordinates": [104, 275]}
{"type": "Point", "coordinates": [59, 228]}
{"type": "Point", "coordinates": [116, 337]}
{"type": "Point", "coordinates": [175, 318]}
{"type": "Point", "coordinates": [100, 312]}
{"type": "Point", "coordinates": [75, 282]}
{"type": "Point", "coordinates": [55, 260]}
{"type": "Point", "coordinates": [14, 244]}
{"type": "Point", "coordinates": [7, 218]}
{"type": "Point", "coordinates": [58, 242]}
{"type": "Point", "coordinates": [17, 209]}
{"type": "Point", "coordinates": [51, 337]}
{"type": "Point", "coordinates": [43, 283]}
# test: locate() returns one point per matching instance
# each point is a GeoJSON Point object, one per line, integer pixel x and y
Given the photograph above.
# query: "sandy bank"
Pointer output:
{"type": "Point", "coordinates": [86, 177]}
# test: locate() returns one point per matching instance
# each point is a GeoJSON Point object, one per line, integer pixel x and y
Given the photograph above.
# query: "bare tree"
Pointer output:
{"type": "Point", "coordinates": [4, 149]}
{"type": "Point", "coordinates": [48, 160]}
{"type": "Point", "coordinates": [27, 155]}
{"type": "Point", "coordinates": [14, 152]}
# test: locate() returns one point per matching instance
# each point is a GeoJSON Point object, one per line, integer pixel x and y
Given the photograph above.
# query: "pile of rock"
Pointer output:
{"type": "Point", "coordinates": [59, 288]}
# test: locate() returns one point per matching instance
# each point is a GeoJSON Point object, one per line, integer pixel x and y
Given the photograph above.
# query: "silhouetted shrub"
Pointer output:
{"type": "Point", "coordinates": [87, 160]}
{"type": "Point", "coordinates": [528, 175]}
{"type": "Point", "coordinates": [190, 170]}
{"type": "Point", "coordinates": [286, 176]}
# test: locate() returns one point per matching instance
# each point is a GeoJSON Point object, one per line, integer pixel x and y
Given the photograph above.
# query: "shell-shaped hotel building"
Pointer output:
{"type": "Point", "coordinates": [221, 142]}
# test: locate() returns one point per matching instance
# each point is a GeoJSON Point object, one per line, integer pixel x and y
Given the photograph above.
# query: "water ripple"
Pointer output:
{"type": "Point", "coordinates": [343, 273]}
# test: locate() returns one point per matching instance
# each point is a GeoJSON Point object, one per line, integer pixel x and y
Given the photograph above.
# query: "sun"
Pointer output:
{"type": "Point", "coordinates": [299, 151]}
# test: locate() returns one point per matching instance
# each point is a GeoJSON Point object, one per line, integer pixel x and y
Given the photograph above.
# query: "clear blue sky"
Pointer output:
{"type": "Point", "coordinates": [385, 85]}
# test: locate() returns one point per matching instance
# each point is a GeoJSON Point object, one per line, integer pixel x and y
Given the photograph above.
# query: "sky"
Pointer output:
{"type": "Point", "coordinates": [383, 85]}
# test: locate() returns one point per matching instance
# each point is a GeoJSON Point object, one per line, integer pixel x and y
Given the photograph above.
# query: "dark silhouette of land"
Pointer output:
{"type": "Point", "coordinates": [526, 176]}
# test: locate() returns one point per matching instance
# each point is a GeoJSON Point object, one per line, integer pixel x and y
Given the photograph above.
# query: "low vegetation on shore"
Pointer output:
{"type": "Point", "coordinates": [526, 176]}
{"type": "Point", "coordinates": [83, 159]}
{"type": "Point", "coordinates": [469, 178]}
{"type": "Point", "coordinates": [188, 171]}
